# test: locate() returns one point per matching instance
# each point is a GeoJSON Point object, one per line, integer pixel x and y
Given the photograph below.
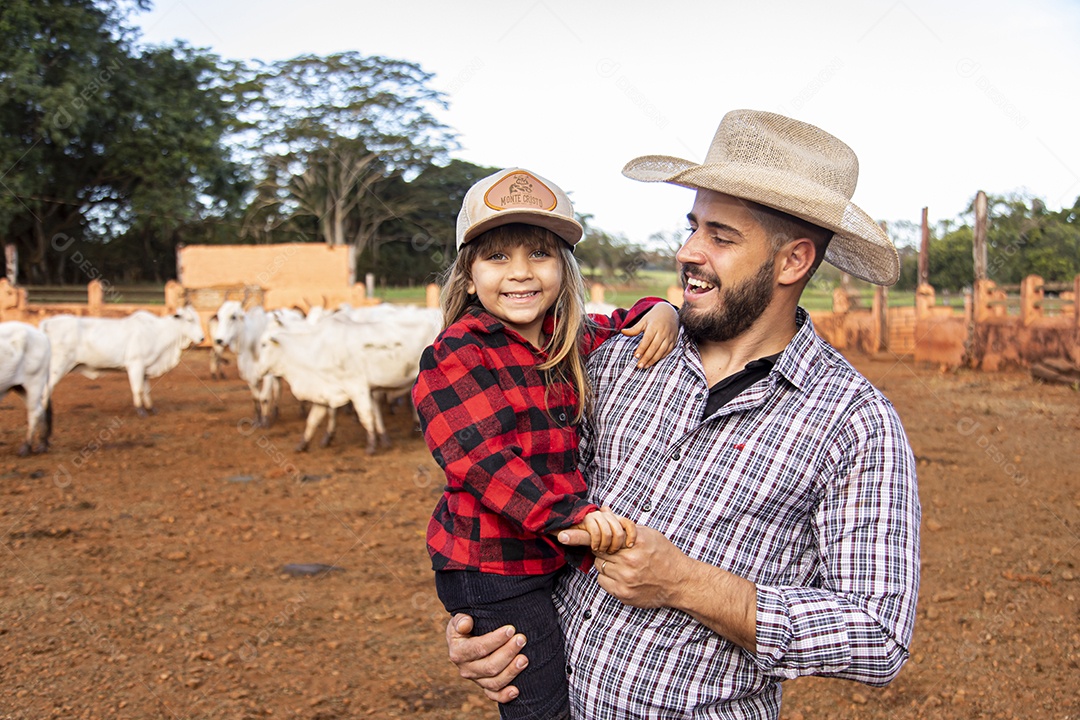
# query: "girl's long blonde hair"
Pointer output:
{"type": "Point", "coordinates": [565, 362]}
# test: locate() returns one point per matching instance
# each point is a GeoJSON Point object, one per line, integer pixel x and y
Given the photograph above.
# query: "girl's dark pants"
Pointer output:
{"type": "Point", "coordinates": [523, 601]}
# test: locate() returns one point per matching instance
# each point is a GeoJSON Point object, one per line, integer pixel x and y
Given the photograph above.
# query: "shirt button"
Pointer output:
{"type": "Point", "coordinates": [646, 507]}
{"type": "Point", "coordinates": [588, 614]}
{"type": "Point", "coordinates": [562, 417]}
{"type": "Point", "coordinates": [569, 669]}
{"type": "Point", "coordinates": [676, 455]}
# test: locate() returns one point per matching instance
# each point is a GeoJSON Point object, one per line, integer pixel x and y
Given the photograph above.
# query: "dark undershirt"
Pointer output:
{"type": "Point", "coordinates": [725, 391]}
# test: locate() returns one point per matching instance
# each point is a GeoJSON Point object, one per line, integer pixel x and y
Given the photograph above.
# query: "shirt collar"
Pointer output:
{"type": "Point", "coordinates": [482, 322]}
{"type": "Point", "coordinates": [799, 360]}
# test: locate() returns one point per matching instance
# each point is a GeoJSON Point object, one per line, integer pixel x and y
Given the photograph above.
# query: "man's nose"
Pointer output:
{"type": "Point", "coordinates": [689, 253]}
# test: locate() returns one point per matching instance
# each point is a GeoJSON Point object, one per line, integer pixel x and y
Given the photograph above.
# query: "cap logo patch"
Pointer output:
{"type": "Point", "coordinates": [520, 190]}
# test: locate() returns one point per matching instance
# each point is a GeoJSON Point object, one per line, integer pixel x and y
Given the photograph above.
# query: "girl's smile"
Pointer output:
{"type": "Point", "coordinates": [518, 285]}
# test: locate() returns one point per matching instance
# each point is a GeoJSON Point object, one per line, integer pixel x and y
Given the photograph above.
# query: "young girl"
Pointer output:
{"type": "Point", "coordinates": [499, 396]}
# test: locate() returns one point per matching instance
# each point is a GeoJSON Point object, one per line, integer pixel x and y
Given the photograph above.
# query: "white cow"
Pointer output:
{"type": "Point", "coordinates": [217, 352]}
{"type": "Point", "coordinates": [338, 361]}
{"type": "Point", "coordinates": [144, 344]}
{"type": "Point", "coordinates": [427, 322]}
{"type": "Point", "coordinates": [24, 368]}
{"type": "Point", "coordinates": [240, 331]}
{"type": "Point", "coordinates": [233, 329]}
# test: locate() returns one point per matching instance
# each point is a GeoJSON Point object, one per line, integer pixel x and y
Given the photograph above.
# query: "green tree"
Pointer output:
{"type": "Point", "coordinates": [608, 257]}
{"type": "Point", "coordinates": [327, 135]}
{"type": "Point", "coordinates": [416, 246]}
{"type": "Point", "coordinates": [1024, 238]}
{"type": "Point", "coordinates": [103, 142]}
{"type": "Point", "coordinates": [952, 265]}
{"type": "Point", "coordinates": [909, 268]}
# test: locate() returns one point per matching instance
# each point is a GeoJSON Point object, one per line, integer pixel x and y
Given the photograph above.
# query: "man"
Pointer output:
{"type": "Point", "coordinates": [773, 486]}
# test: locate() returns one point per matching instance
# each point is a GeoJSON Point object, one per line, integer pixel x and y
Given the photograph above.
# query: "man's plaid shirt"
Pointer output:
{"type": "Point", "coordinates": [506, 439]}
{"type": "Point", "coordinates": [804, 483]}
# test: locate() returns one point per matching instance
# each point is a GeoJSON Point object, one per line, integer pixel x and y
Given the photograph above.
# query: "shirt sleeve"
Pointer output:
{"type": "Point", "coordinates": [857, 624]}
{"type": "Point", "coordinates": [602, 327]}
{"type": "Point", "coordinates": [471, 428]}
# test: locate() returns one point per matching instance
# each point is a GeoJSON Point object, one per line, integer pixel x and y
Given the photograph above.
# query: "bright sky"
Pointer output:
{"type": "Point", "coordinates": [938, 98]}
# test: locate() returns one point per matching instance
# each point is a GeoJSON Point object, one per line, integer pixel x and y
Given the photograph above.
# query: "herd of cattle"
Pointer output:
{"type": "Point", "coordinates": [361, 356]}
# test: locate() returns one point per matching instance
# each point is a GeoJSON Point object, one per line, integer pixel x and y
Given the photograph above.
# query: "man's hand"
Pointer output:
{"type": "Point", "coordinates": [654, 573]}
{"type": "Point", "coordinates": [491, 661]}
{"type": "Point", "coordinates": [646, 575]}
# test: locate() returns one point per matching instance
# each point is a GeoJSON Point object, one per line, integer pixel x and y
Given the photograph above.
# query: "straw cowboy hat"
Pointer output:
{"type": "Point", "coordinates": [793, 167]}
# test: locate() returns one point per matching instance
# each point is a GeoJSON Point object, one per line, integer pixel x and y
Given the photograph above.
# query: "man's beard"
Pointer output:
{"type": "Point", "coordinates": [738, 308]}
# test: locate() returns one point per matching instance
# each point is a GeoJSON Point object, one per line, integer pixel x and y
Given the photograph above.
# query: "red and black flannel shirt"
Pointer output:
{"type": "Point", "coordinates": [511, 466]}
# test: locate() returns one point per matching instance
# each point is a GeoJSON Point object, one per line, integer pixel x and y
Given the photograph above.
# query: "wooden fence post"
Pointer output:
{"type": "Point", "coordinates": [359, 295]}
{"type": "Point", "coordinates": [1031, 299]}
{"type": "Point", "coordinates": [879, 310]}
{"type": "Point", "coordinates": [1076, 301]}
{"type": "Point", "coordinates": [12, 301]}
{"type": "Point", "coordinates": [431, 296]}
{"type": "Point", "coordinates": [924, 301]}
{"type": "Point", "coordinates": [95, 298]}
{"type": "Point", "coordinates": [924, 250]}
{"type": "Point", "coordinates": [978, 244]}
{"type": "Point", "coordinates": [972, 315]}
{"type": "Point", "coordinates": [596, 293]}
{"type": "Point", "coordinates": [11, 260]}
{"type": "Point", "coordinates": [841, 301]}
{"type": "Point", "coordinates": [174, 296]}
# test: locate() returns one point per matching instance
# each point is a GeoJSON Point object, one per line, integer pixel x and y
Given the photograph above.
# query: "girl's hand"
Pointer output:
{"type": "Point", "coordinates": [608, 532]}
{"type": "Point", "coordinates": [659, 329]}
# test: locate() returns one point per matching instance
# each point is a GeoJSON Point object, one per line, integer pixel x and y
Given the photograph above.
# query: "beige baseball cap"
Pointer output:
{"type": "Point", "coordinates": [515, 195]}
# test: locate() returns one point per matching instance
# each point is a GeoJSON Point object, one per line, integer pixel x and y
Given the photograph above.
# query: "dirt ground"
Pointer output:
{"type": "Point", "coordinates": [143, 561]}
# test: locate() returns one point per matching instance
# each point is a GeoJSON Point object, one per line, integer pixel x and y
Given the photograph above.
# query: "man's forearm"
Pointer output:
{"type": "Point", "coordinates": [654, 573]}
{"type": "Point", "coordinates": [719, 600]}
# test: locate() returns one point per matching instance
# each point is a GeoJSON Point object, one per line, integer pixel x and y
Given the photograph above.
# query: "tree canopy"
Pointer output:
{"type": "Point", "coordinates": [325, 135]}
{"type": "Point", "coordinates": [112, 153]}
{"type": "Point", "coordinates": [1023, 238]}
{"type": "Point", "coordinates": [103, 141]}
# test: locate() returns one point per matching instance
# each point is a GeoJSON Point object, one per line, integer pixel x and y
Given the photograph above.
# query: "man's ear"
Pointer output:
{"type": "Point", "coordinates": [795, 261]}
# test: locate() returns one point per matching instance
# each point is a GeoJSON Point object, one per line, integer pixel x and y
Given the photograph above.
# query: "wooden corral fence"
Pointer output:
{"type": "Point", "coordinates": [983, 334]}
{"type": "Point", "coordinates": [993, 330]}
{"type": "Point", "coordinates": [1035, 333]}
{"type": "Point", "coordinates": [15, 303]}
{"type": "Point", "coordinates": [299, 275]}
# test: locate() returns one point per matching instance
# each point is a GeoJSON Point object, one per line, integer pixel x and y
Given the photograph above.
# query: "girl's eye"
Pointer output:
{"type": "Point", "coordinates": [540, 253]}
{"type": "Point", "coordinates": [497, 256]}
